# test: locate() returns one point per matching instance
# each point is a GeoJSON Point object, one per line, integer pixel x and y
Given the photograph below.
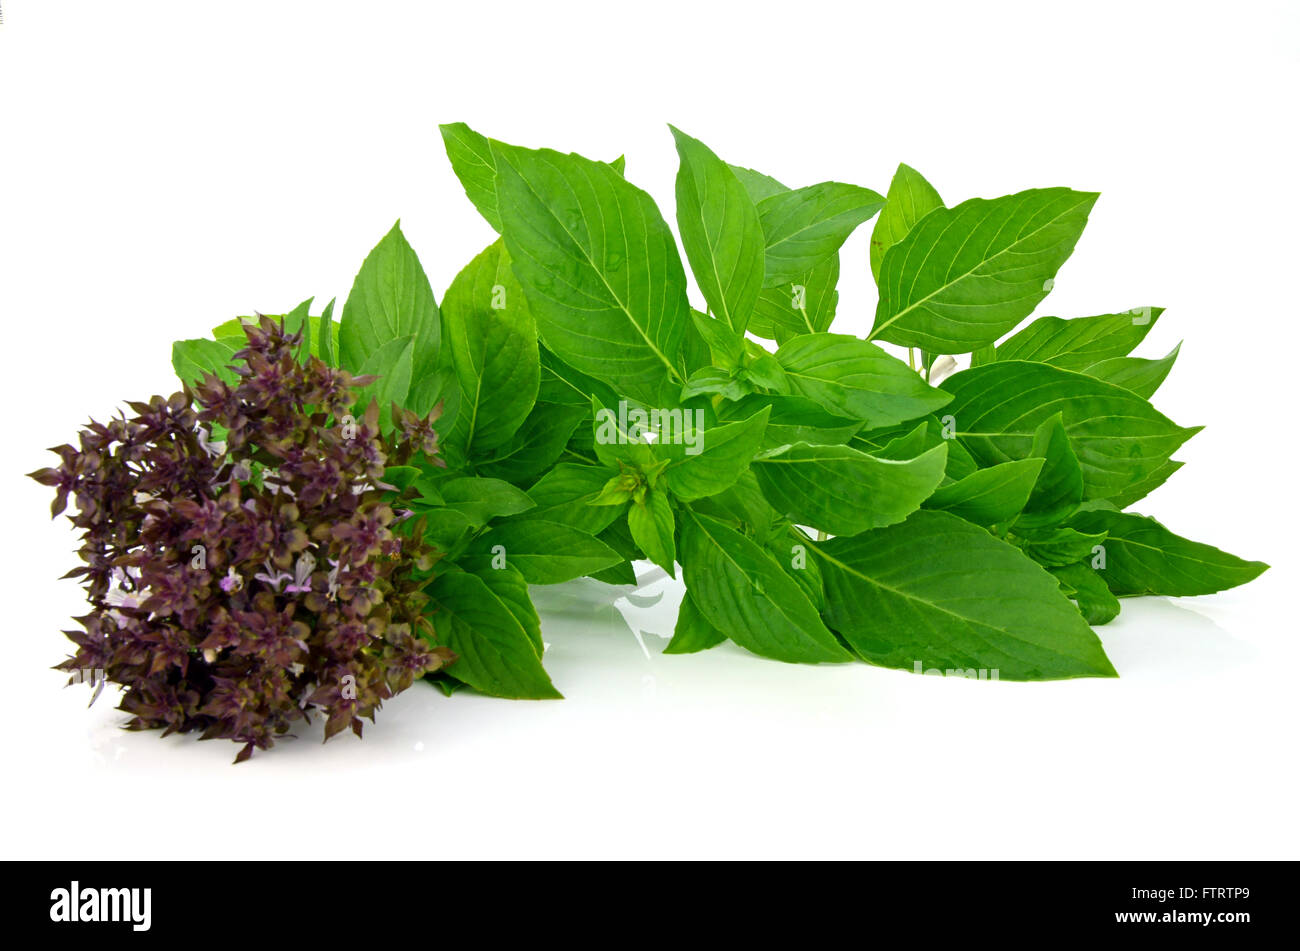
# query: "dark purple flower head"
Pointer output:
{"type": "Point", "coordinates": [242, 561]}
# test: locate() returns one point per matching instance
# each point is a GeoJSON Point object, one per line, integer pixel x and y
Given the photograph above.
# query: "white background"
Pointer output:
{"type": "Point", "coordinates": [166, 166]}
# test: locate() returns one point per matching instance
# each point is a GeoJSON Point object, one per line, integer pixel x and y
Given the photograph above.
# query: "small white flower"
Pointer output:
{"type": "Point", "coordinates": [942, 368]}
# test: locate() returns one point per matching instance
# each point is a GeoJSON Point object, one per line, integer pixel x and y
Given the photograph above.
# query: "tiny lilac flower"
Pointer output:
{"type": "Point", "coordinates": [272, 577]}
{"type": "Point", "coordinates": [232, 582]}
{"type": "Point", "coordinates": [302, 570]}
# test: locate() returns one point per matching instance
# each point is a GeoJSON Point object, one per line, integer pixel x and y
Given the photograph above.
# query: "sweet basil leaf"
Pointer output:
{"type": "Point", "coordinates": [693, 632]}
{"type": "Point", "coordinates": [493, 343]}
{"type": "Point", "coordinates": [963, 277]}
{"type": "Point", "coordinates": [740, 589]}
{"type": "Point", "coordinates": [724, 453]}
{"type": "Point", "coordinates": [1080, 342]}
{"type": "Point", "coordinates": [1119, 437]}
{"type": "Point", "coordinates": [720, 231]}
{"type": "Point", "coordinates": [805, 226]}
{"type": "Point", "coordinates": [1144, 557]}
{"type": "Point", "coordinates": [1082, 585]}
{"type": "Point", "coordinates": [840, 490]}
{"type": "Point", "coordinates": [989, 496]}
{"type": "Point", "coordinates": [910, 198]}
{"type": "Point", "coordinates": [907, 595]}
{"type": "Point", "coordinates": [193, 359]}
{"type": "Point", "coordinates": [482, 500]}
{"type": "Point", "coordinates": [1141, 376]}
{"type": "Point", "coordinates": [390, 299]}
{"type": "Point", "coordinates": [495, 653]}
{"type": "Point", "coordinates": [599, 266]}
{"type": "Point", "coordinates": [855, 379]}
{"type": "Point", "coordinates": [545, 552]}
{"type": "Point", "coordinates": [653, 527]}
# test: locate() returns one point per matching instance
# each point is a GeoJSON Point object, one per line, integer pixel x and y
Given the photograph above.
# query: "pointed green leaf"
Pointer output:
{"type": "Point", "coordinates": [989, 496]}
{"type": "Point", "coordinates": [1141, 376]}
{"type": "Point", "coordinates": [495, 653]}
{"type": "Point", "coordinates": [652, 526]}
{"type": "Point", "coordinates": [693, 632]}
{"type": "Point", "coordinates": [1118, 437]}
{"type": "Point", "coordinates": [840, 490]}
{"type": "Point", "coordinates": [390, 299]}
{"type": "Point", "coordinates": [1059, 487]}
{"type": "Point", "coordinates": [720, 231]}
{"type": "Point", "coordinates": [1144, 557]}
{"type": "Point", "coordinates": [852, 378]}
{"type": "Point", "coordinates": [965, 276]}
{"type": "Point", "coordinates": [910, 594]}
{"type": "Point", "coordinates": [724, 454]}
{"type": "Point", "coordinates": [471, 160]}
{"type": "Point", "coordinates": [740, 589]}
{"type": "Point", "coordinates": [537, 445]}
{"type": "Point", "coordinates": [805, 226]}
{"type": "Point", "coordinates": [1080, 342]}
{"type": "Point", "coordinates": [192, 359]}
{"type": "Point", "coordinates": [910, 199]}
{"type": "Point", "coordinates": [545, 552]}
{"type": "Point", "coordinates": [599, 266]}
{"type": "Point", "coordinates": [1083, 586]}
{"type": "Point", "coordinates": [493, 343]}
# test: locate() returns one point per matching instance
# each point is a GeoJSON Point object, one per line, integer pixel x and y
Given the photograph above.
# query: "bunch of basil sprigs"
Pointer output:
{"type": "Point", "coordinates": [824, 500]}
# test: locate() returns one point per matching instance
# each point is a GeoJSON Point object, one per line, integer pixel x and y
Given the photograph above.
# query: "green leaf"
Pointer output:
{"type": "Point", "coordinates": [511, 588]}
{"type": "Point", "coordinates": [794, 419]}
{"type": "Point", "coordinates": [855, 379]}
{"type": "Point", "coordinates": [471, 160]}
{"type": "Point", "coordinates": [742, 590]}
{"type": "Point", "coordinates": [724, 453]}
{"type": "Point", "coordinates": [1136, 491]}
{"type": "Point", "coordinates": [758, 185]}
{"type": "Point", "coordinates": [910, 199]}
{"type": "Point", "coordinates": [482, 500]}
{"type": "Point", "coordinates": [693, 632]}
{"type": "Point", "coordinates": [1144, 557]}
{"type": "Point", "coordinates": [965, 276]}
{"type": "Point", "coordinates": [565, 493]}
{"type": "Point", "coordinates": [600, 268]}
{"type": "Point", "coordinates": [720, 231]}
{"type": "Point", "coordinates": [493, 343]}
{"type": "Point", "coordinates": [762, 369]}
{"type": "Point", "coordinates": [726, 346]}
{"type": "Point", "coordinates": [840, 490]}
{"type": "Point", "coordinates": [804, 305]}
{"type": "Point", "coordinates": [402, 477]}
{"type": "Point", "coordinates": [1080, 342]}
{"type": "Point", "coordinates": [390, 299]}
{"type": "Point", "coordinates": [392, 363]}
{"type": "Point", "coordinates": [1057, 547]}
{"type": "Point", "coordinates": [192, 359]}
{"type": "Point", "coordinates": [1118, 437]}
{"type": "Point", "coordinates": [805, 226]}
{"type": "Point", "coordinates": [652, 525]}
{"type": "Point", "coordinates": [495, 653]}
{"type": "Point", "coordinates": [1141, 376]}
{"type": "Point", "coordinates": [989, 496]}
{"type": "Point", "coordinates": [326, 338]}
{"type": "Point", "coordinates": [1084, 586]}
{"type": "Point", "coordinates": [620, 574]}
{"type": "Point", "coordinates": [537, 444]}
{"type": "Point", "coordinates": [710, 380]}
{"type": "Point", "coordinates": [1059, 487]}
{"type": "Point", "coordinates": [545, 552]}
{"type": "Point", "coordinates": [911, 594]}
